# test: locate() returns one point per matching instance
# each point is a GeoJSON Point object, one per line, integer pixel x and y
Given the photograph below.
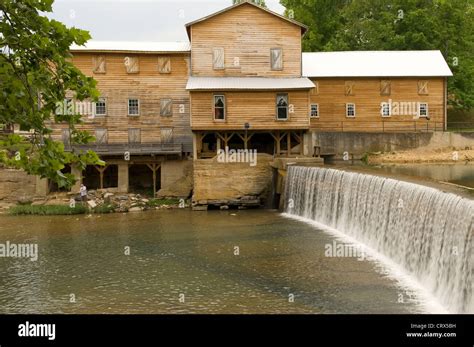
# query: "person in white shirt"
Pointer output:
{"type": "Point", "coordinates": [83, 192]}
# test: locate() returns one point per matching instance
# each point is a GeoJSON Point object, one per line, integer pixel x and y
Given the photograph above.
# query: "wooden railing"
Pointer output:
{"type": "Point", "coordinates": [131, 148]}
{"type": "Point", "coordinates": [379, 126]}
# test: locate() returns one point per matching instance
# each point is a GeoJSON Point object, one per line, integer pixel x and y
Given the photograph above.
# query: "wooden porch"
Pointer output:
{"type": "Point", "coordinates": [279, 143]}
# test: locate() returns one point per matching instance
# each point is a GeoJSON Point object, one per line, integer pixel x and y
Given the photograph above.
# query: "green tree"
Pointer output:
{"type": "Point", "coordinates": [257, 2]}
{"type": "Point", "coordinates": [36, 72]}
{"type": "Point", "coordinates": [396, 25]}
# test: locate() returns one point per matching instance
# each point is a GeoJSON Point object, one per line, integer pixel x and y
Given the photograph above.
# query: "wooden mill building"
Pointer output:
{"type": "Point", "coordinates": [242, 82]}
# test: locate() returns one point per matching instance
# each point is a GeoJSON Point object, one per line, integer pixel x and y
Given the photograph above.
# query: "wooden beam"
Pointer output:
{"type": "Point", "coordinates": [154, 167]}
{"type": "Point", "coordinates": [101, 170]}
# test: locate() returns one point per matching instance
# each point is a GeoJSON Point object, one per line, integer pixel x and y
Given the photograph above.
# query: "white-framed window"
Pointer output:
{"type": "Point", "coordinates": [101, 107]}
{"type": "Point", "coordinates": [133, 107]}
{"type": "Point", "coordinates": [423, 110]}
{"type": "Point", "coordinates": [385, 110]}
{"type": "Point", "coordinates": [282, 106]}
{"type": "Point", "coordinates": [314, 113]}
{"type": "Point", "coordinates": [218, 58]}
{"type": "Point", "coordinates": [219, 107]}
{"type": "Point", "coordinates": [276, 58]}
{"type": "Point", "coordinates": [350, 110]}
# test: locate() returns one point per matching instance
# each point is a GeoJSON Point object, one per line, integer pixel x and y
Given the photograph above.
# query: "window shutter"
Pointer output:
{"type": "Point", "coordinates": [164, 64]}
{"type": "Point", "coordinates": [218, 58]}
{"type": "Point", "coordinates": [385, 87]}
{"type": "Point", "coordinates": [276, 58]}
{"type": "Point", "coordinates": [98, 64]}
{"type": "Point", "coordinates": [423, 87]}
{"type": "Point", "coordinates": [349, 88]}
{"type": "Point", "coordinates": [134, 135]}
{"type": "Point", "coordinates": [131, 64]}
{"type": "Point", "coordinates": [101, 136]}
{"type": "Point", "coordinates": [166, 135]}
{"type": "Point", "coordinates": [166, 107]}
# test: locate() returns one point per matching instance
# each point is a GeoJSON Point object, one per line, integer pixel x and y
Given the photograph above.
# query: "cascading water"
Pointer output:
{"type": "Point", "coordinates": [423, 230]}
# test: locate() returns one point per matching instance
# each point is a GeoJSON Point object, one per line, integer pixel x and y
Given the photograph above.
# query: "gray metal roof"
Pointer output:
{"type": "Point", "coordinates": [375, 64]}
{"type": "Point", "coordinates": [133, 46]}
{"type": "Point", "coordinates": [248, 83]}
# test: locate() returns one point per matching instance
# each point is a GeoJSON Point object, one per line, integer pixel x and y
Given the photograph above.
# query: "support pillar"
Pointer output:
{"type": "Point", "coordinates": [123, 178]}
{"type": "Point", "coordinates": [77, 173]}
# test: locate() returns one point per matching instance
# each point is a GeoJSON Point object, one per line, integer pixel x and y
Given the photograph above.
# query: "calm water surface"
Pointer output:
{"type": "Point", "coordinates": [191, 253]}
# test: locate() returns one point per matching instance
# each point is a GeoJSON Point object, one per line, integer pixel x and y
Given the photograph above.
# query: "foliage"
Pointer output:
{"type": "Point", "coordinates": [47, 210]}
{"type": "Point", "coordinates": [448, 26]}
{"type": "Point", "coordinates": [36, 73]}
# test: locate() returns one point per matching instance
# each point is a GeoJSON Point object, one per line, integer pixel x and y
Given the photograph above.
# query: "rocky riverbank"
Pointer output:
{"type": "Point", "coordinates": [98, 201]}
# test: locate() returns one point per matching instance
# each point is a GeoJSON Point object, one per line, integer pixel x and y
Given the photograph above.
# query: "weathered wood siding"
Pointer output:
{"type": "Point", "coordinates": [247, 35]}
{"type": "Point", "coordinates": [150, 87]}
{"type": "Point", "coordinates": [256, 108]}
{"type": "Point", "coordinates": [366, 95]}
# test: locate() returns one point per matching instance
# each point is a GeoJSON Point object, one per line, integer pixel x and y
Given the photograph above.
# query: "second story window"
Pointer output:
{"type": "Point", "coordinates": [350, 110]}
{"type": "Point", "coordinates": [133, 107]}
{"type": "Point", "coordinates": [276, 58]}
{"type": "Point", "coordinates": [218, 58]}
{"type": "Point", "coordinates": [98, 64]}
{"type": "Point", "coordinates": [314, 111]}
{"type": "Point", "coordinates": [164, 64]}
{"type": "Point", "coordinates": [282, 106]}
{"type": "Point", "coordinates": [219, 107]}
{"type": "Point", "coordinates": [101, 107]}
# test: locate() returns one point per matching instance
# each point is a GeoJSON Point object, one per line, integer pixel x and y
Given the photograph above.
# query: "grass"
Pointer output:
{"type": "Point", "coordinates": [161, 202]}
{"type": "Point", "coordinates": [56, 210]}
{"type": "Point", "coordinates": [47, 210]}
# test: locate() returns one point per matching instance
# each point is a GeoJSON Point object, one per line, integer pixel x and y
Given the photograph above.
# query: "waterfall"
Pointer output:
{"type": "Point", "coordinates": [426, 232]}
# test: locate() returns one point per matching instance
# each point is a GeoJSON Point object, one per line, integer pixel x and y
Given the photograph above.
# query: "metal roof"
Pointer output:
{"type": "Point", "coordinates": [248, 83]}
{"type": "Point", "coordinates": [133, 46]}
{"type": "Point", "coordinates": [303, 27]}
{"type": "Point", "coordinates": [375, 64]}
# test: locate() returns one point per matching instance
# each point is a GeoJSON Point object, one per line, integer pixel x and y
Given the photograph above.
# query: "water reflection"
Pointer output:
{"type": "Point", "coordinates": [190, 253]}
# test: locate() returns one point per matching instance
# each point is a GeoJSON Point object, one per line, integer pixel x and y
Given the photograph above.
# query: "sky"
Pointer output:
{"type": "Point", "coordinates": [138, 20]}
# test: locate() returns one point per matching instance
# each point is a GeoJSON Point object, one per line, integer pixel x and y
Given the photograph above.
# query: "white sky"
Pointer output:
{"type": "Point", "coordinates": [139, 20]}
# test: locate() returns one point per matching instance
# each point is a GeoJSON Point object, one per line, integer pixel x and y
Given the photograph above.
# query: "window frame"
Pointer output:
{"type": "Point", "coordinates": [311, 110]}
{"type": "Point", "coordinates": [384, 104]}
{"type": "Point", "coordinates": [347, 109]}
{"type": "Point", "coordinates": [427, 115]}
{"type": "Point", "coordinates": [138, 107]}
{"type": "Point", "coordinates": [214, 96]}
{"type": "Point", "coordinates": [105, 107]}
{"type": "Point", "coordinates": [278, 107]}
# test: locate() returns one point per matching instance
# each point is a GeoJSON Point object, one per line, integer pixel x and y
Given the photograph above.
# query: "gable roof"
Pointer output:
{"type": "Point", "coordinates": [133, 46]}
{"type": "Point", "coordinates": [303, 27]}
{"type": "Point", "coordinates": [375, 64]}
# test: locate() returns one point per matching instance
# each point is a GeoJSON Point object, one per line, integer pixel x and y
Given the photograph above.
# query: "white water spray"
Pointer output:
{"type": "Point", "coordinates": [422, 230]}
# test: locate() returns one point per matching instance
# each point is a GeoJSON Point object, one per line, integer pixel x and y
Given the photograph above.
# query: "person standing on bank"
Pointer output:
{"type": "Point", "coordinates": [83, 192]}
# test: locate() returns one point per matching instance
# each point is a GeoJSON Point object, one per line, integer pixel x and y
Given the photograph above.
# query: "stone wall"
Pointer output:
{"type": "Point", "coordinates": [176, 178]}
{"type": "Point", "coordinates": [16, 185]}
{"type": "Point", "coordinates": [360, 143]}
{"type": "Point", "coordinates": [216, 182]}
